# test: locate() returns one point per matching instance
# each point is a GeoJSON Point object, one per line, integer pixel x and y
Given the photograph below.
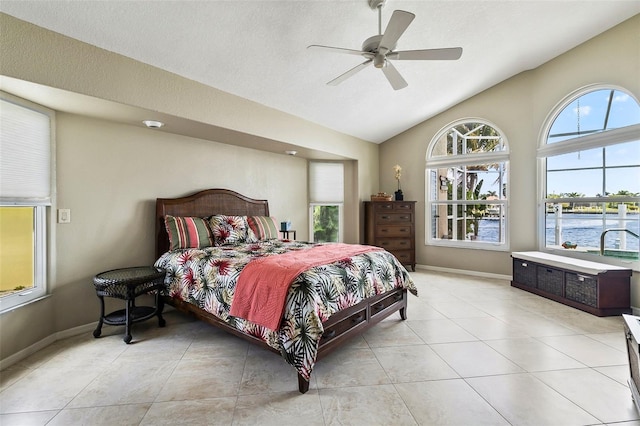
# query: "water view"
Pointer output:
{"type": "Point", "coordinates": [585, 230]}
{"type": "Point", "coordinates": [581, 229]}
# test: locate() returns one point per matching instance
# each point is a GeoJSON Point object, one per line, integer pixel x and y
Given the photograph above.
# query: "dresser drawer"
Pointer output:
{"type": "Point", "coordinates": [396, 206]}
{"type": "Point", "coordinates": [394, 217]}
{"type": "Point", "coordinates": [393, 231]}
{"type": "Point", "coordinates": [382, 206]}
{"type": "Point", "coordinates": [404, 256]}
{"type": "Point", "coordinates": [395, 243]}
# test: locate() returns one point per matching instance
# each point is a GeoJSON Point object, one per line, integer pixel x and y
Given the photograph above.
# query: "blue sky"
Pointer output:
{"type": "Point", "coordinates": [586, 114]}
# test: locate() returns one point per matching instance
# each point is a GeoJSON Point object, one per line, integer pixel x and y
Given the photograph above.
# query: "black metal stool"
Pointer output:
{"type": "Point", "coordinates": [127, 284]}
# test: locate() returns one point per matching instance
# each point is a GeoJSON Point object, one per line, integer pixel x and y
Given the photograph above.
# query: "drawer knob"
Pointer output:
{"type": "Point", "coordinates": [329, 334]}
{"type": "Point", "coordinates": [358, 319]}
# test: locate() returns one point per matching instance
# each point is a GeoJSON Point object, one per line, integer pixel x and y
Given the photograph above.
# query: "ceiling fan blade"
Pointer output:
{"type": "Point", "coordinates": [448, 54]}
{"type": "Point", "coordinates": [394, 77]}
{"type": "Point", "coordinates": [349, 73]}
{"type": "Point", "coordinates": [397, 25]}
{"type": "Point", "coordinates": [340, 50]}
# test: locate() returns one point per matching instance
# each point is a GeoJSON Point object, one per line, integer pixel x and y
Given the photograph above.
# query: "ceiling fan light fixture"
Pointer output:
{"type": "Point", "coordinates": [379, 61]}
{"type": "Point", "coordinates": [153, 124]}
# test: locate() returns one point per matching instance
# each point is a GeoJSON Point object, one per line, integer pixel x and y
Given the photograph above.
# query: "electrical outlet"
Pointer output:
{"type": "Point", "coordinates": [64, 215]}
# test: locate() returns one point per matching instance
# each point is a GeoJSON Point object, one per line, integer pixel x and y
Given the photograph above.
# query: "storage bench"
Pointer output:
{"type": "Point", "coordinates": [593, 287]}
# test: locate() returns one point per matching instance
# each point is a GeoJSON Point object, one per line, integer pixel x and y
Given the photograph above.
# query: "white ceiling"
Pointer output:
{"type": "Point", "coordinates": [257, 49]}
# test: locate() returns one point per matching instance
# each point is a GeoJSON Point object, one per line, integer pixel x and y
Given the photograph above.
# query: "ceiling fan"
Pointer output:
{"type": "Point", "coordinates": [379, 49]}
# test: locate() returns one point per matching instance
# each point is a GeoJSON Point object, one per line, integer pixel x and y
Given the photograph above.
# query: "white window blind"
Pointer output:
{"type": "Point", "coordinates": [25, 154]}
{"type": "Point", "coordinates": [326, 182]}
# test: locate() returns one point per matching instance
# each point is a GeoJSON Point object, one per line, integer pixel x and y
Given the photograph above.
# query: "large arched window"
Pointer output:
{"type": "Point", "coordinates": [466, 184]}
{"type": "Point", "coordinates": [590, 176]}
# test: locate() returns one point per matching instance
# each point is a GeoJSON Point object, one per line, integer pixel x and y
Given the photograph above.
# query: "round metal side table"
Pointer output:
{"type": "Point", "coordinates": [127, 284]}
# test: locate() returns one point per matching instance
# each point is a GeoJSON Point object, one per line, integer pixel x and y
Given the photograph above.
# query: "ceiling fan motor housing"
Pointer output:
{"type": "Point", "coordinates": [372, 43]}
{"type": "Point", "coordinates": [374, 4]}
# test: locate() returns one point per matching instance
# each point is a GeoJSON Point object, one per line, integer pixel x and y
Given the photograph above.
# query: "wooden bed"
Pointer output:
{"type": "Point", "coordinates": [338, 328]}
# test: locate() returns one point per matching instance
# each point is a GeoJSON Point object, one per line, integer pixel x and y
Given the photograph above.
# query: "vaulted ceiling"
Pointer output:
{"type": "Point", "coordinates": [258, 49]}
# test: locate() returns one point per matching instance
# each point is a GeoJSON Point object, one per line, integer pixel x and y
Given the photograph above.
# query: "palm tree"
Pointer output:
{"type": "Point", "coordinates": [573, 195]}
{"type": "Point", "coordinates": [623, 193]}
{"type": "Point", "coordinates": [469, 138]}
{"type": "Point", "coordinates": [475, 138]}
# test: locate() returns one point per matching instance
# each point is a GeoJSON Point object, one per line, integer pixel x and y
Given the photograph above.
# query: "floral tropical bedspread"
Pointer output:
{"type": "Point", "coordinates": [207, 278]}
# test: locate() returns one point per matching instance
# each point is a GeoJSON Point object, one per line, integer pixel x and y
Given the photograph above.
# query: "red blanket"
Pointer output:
{"type": "Point", "coordinates": [263, 284]}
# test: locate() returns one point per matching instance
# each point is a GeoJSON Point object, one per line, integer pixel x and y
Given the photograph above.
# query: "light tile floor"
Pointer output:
{"type": "Point", "coordinates": [473, 351]}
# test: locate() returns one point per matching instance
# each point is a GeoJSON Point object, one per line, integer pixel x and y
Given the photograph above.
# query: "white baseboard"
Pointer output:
{"type": "Point", "coordinates": [465, 272]}
{"type": "Point", "coordinates": [634, 310]}
{"type": "Point", "coordinates": [19, 356]}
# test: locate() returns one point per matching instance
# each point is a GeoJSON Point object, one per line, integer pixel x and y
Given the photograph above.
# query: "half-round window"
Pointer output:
{"type": "Point", "coordinates": [594, 112]}
{"type": "Point", "coordinates": [591, 182]}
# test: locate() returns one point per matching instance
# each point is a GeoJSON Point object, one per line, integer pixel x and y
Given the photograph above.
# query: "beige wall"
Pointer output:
{"type": "Point", "coordinates": [518, 107]}
{"type": "Point", "coordinates": [109, 175]}
{"type": "Point", "coordinates": [109, 172]}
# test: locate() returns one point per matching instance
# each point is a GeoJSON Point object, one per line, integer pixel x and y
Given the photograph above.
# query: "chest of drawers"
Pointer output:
{"type": "Point", "coordinates": [391, 225]}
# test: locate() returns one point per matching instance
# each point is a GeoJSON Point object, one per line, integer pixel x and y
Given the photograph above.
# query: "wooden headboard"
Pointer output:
{"type": "Point", "coordinates": [202, 204]}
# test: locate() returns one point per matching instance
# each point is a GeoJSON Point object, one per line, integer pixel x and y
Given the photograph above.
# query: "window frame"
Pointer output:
{"type": "Point", "coordinates": [439, 162]}
{"type": "Point", "coordinates": [44, 221]}
{"type": "Point", "coordinates": [324, 198]}
{"type": "Point", "coordinates": [340, 219]}
{"type": "Point", "coordinates": [601, 139]}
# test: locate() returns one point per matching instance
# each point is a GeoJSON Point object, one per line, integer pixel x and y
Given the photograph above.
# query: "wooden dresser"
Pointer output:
{"type": "Point", "coordinates": [391, 225]}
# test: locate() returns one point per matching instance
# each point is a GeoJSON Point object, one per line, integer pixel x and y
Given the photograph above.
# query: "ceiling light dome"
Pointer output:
{"type": "Point", "coordinates": [153, 124]}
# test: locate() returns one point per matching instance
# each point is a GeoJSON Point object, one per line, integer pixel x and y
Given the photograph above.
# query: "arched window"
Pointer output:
{"type": "Point", "coordinates": [466, 184]}
{"type": "Point", "coordinates": [590, 175]}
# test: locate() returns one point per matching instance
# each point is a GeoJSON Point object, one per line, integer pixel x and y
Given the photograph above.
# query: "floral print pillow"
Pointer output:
{"type": "Point", "coordinates": [228, 229]}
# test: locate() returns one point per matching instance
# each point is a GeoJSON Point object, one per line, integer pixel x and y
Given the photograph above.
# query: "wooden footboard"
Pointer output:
{"type": "Point", "coordinates": [339, 328]}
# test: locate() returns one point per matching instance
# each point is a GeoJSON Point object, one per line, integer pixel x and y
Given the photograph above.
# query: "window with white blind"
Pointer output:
{"type": "Point", "coordinates": [26, 158]}
{"type": "Point", "coordinates": [326, 200]}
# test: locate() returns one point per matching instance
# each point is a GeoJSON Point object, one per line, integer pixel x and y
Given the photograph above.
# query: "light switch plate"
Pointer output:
{"type": "Point", "coordinates": [64, 215]}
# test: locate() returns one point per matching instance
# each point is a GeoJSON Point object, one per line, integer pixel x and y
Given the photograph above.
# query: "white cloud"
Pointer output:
{"type": "Point", "coordinates": [583, 110]}
{"type": "Point", "coordinates": [622, 97]}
